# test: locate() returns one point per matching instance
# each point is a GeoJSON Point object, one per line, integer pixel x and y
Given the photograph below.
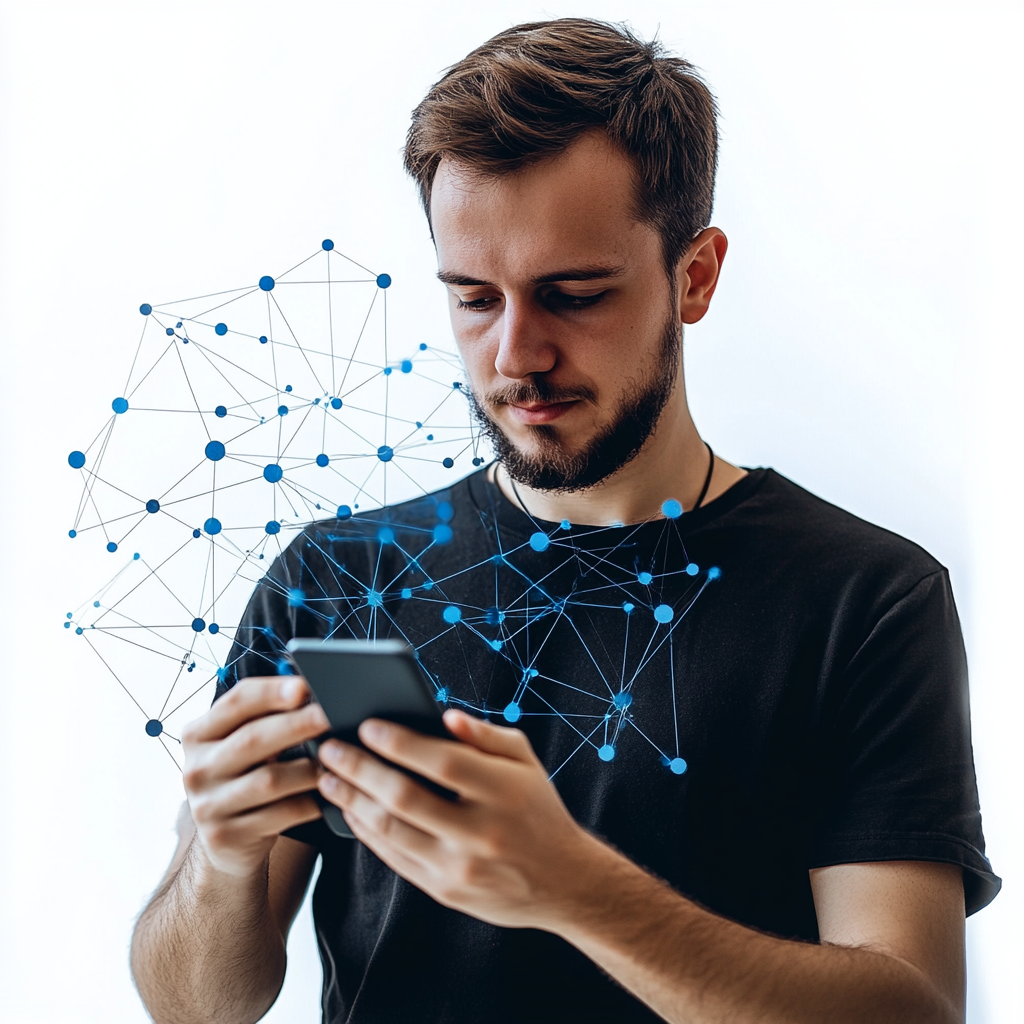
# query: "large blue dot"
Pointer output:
{"type": "Point", "coordinates": [221, 411]}
{"type": "Point", "coordinates": [383, 280]}
{"type": "Point", "coordinates": [677, 765]}
{"type": "Point", "coordinates": [213, 627]}
{"type": "Point", "coordinates": [406, 366]}
{"type": "Point", "coordinates": [273, 527]}
{"type": "Point", "coordinates": [76, 460]}
{"type": "Point", "coordinates": [336, 403]}
{"type": "Point", "coordinates": [671, 509]}
{"type": "Point", "coordinates": [451, 614]}
{"type": "Point", "coordinates": [267, 283]}
{"type": "Point", "coordinates": [272, 473]}
{"type": "Point", "coordinates": [447, 463]}
{"type": "Point", "coordinates": [692, 569]}
{"type": "Point", "coordinates": [644, 578]}
{"type": "Point", "coordinates": [145, 309]}
{"type": "Point", "coordinates": [263, 339]}
{"type": "Point", "coordinates": [221, 329]}
{"type": "Point", "coordinates": [445, 511]}
{"type": "Point", "coordinates": [512, 712]}
{"type": "Point", "coordinates": [606, 752]}
{"type": "Point", "coordinates": [344, 512]}
{"type": "Point", "coordinates": [442, 533]}
{"type": "Point", "coordinates": [663, 613]}
{"type": "Point", "coordinates": [111, 546]}
{"type": "Point", "coordinates": [386, 535]}
{"type": "Point", "coordinates": [215, 450]}
{"type": "Point", "coordinates": [385, 453]}
{"type": "Point", "coordinates": [539, 541]}
{"type": "Point", "coordinates": [198, 625]}
{"type": "Point", "coordinates": [119, 405]}
{"type": "Point", "coordinates": [196, 533]}
{"type": "Point", "coordinates": [714, 572]}
{"type": "Point", "coordinates": [152, 505]}
{"type": "Point", "coordinates": [622, 700]}
{"type": "Point", "coordinates": [282, 410]}
{"type": "Point", "coordinates": [296, 597]}
{"type": "Point", "coordinates": [322, 460]}
{"type": "Point", "coordinates": [154, 727]}
{"type": "Point", "coordinates": [212, 526]}
{"type": "Point", "coordinates": [387, 371]}
{"type": "Point", "coordinates": [327, 244]}
{"type": "Point", "coordinates": [72, 534]}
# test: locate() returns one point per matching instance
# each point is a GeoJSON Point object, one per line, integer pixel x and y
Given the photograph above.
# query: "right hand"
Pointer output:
{"type": "Point", "coordinates": [240, 796]}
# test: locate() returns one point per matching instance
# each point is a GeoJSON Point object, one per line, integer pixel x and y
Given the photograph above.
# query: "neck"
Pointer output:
{"type": "Point", "coordinates": [672, 464]}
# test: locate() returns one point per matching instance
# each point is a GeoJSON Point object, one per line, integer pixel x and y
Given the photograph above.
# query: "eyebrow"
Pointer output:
{"type": "Point", "coordinates": [586, 273]}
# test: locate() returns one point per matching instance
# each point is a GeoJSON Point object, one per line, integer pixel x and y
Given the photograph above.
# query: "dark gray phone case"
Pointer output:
{"type": "Point", "coordinates": [353, 680]}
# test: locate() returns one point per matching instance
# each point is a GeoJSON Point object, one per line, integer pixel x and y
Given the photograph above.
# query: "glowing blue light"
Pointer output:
{"type": "Point", "coordinates": [539, 541]}
{"type": "Point", "coordinates": [344, 512]}
{"type": "Point", "coordinates": [606, 752]}
{"type": "Point", "coordinates": [622, 700]}
{"type": "Point", "coordinates": [442, 533]}
{"type": "Point", "coordinates": [714, 572]}
{"type": "Point", "coordinates": [406, 366]}
{"type": "Point", "coordinates": [644, 578]}
{"type": "Point", "coordinates": [451, 614]}
{"type": "Point", "coordinates": [512, 712]}
{"type": "Point", "coordinates": [677, 765]}
{"type": "Point", "coordinates": [296, 597]}
{"type": "Point", "coordinates": [692, 569]}
{"type": "Point", "coordinates": [663, 613]}
{"type": "Point", "coordinates": [386, 535]}
{"type": "Point", "coordinates": [671, 509]}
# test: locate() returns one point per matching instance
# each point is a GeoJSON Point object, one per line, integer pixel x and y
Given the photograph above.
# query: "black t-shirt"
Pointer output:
{"type": "Point", "coordinates": [731, 697]}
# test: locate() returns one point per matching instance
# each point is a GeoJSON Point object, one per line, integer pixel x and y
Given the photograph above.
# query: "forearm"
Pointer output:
{"type": "Point", "coordinates": [690, 965]}
{"type": "Point", "coordinates": [207, 947]}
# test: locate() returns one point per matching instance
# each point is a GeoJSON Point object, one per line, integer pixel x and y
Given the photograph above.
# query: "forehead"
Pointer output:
{"type": "Point", "coordinates": [567, 210]}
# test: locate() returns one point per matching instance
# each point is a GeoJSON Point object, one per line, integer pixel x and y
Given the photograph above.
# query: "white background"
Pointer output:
{"type": "Point", "coordinates": [865, 341]}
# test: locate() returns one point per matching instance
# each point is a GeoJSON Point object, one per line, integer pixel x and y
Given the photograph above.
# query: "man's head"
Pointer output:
{"type": "Point", "coordinates": [566, 169]}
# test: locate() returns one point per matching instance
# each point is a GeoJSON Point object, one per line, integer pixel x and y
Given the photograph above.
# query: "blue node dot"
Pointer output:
{"type": "Point", "coordinates": [714, 572]}
{"type": "Point", "coordinates": [533, 673]}
{"type": "Point", "coordinates": [442, 692]}
{"type": "Point", "coordinates": [214, 628]}
{"type": "Point", "coordinates": [145, 309]}
{"type": "Point", "coordinates": [494, 616]}
{"type": "Point", "coordinates": [383, 280]}
{"type": "Point", "coordinates": [136, 556]}
{"type": "Point", "coordinates": [284, 667]}
{"type": "Point", "coordinates": [70, 615]}
{"type": "Point", "coordinates": [195, 533]}
{"type": "Point", "coordinates": [512, 712]}
{"type": "Point", "coordinates": [221, 329]}
{"type": "Point", "coordinates": [406, 366]}
{"type": "Point", "coordinates": [386, 535]}
{"type": "Point", "coordinates": [169, 332]}
{"type": "Point", "coordinates": [622, 700]}
{"type": "Point", "coordinates": [445, 511]}
{"type": "Point", "coordinates": [387, 371]}
{"type": "Point", "coordinates": [72, 534]}
{"type": "Point", "coordinates": [671, 509]}
{"type": "Point", "coordinates": [430, 437]}
{"type": "Point", "coordinates": [221, 411]}
{"type": "Point", "coordinates": [692, 569]}
{"type": "Point", "coordinates": [442, 533]}
{"type": "Point", "coordinates": [119, 405]}
{"type": "Point", "coordinates": [427, 584]}
{"type": "Point", "coordinates": [451, 614]}
{"type": "Point", "coordinates": [407, 592]}
{"type": "Point", "coordinates": [385, 453]}
{"type": "Point", "coordinates": [288, 388]}
{"type": "Point", "coordinates": [677, 765]}
{"type": "Point", "coordinates": [418, 424]}
{"type": "Point", "coordinates": [273, 527]}
{"type": "Point", "coordinates": [327, 244]}
{"type": "Point", "coordinates": [178, 324]}
{"type": "Point", "coordinates": [282, 410]}
{"type": "Point", "coordinates": [644, 578]}
{"type": "Point", "coordinates": [423, 346]}
{"type": "Point", "coordinates": [263, 339]}
{"type": "Point", "coordinates": [478, 461]}
{"type": "Point", "coordinates": [447, 463]}
{"type": "Point", "coordinates": [628, 606]}
{"type": "Point", "coordinates": [215, 450]}
{"type": "Point", "coordinates": [67, 625]}
{"type": "Point", "coordinates": [336, 403]}
{"type": "Point", "coordinates": [79, 630]}
{"type": "Point", "coordinates": [565, 524]}
{"type": "Point", "coordinates": [663, 613]}
{"type": "Point", "coordinates": [539, 541]}
{"type": "Point", "coordinates": [152, 505]}
{"type": "Point", "coordinates": [95, 604]}
{"type": "Point", "coordinates": [322, 460]}
{"type": "Point", "coordinates": [374, 598]}
{"type": "Point", "coordinates": [76, 460]}
{"type": "Point", "coordinates": [198, 625]}
{"type": "Point", "coordinates": [111, 547]}
{"type": "Point", "coordinates": [496, 644]}
{"type": "Point", "coordinates": [296, 597]}
{"type": "Point", "coordinates": [272, 473]}
{"type": "Point", "coordinates": [606, 752]}
{"type": "Point", "coordinates": [456, 384]}
{"type": "Point", "coordinates": [344, 512]}
{"type": "Point", "coordinates": [267, 283]}
{"type": "Point", "coordinates": [154, 727]}
{"type": "Point", "coordinates": [212, 526]}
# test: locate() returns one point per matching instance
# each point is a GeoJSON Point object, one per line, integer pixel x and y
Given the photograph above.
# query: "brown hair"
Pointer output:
{"type": "Point", "coordinates": [534, 89]}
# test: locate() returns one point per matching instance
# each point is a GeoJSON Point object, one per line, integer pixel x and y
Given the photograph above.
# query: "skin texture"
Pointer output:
{"type": "Point", "coordinates": [211, 944]}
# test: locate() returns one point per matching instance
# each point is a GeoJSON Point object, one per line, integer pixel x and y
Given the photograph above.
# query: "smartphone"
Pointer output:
{"type": "Point", "coordinates": [353, 680]}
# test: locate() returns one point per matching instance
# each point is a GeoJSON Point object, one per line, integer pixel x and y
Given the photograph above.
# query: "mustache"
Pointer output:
{"type": "Point", "coordinates": [530, 392]}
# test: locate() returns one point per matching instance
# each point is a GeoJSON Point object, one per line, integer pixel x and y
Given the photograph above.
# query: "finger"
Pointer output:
{"type": "Point", "coordinates": [393, 790]}
{"type": "Point", "coordinates": [267, 821]}
{"type": "Point", "coordinates": [262, 786]}
{"type": "Point", "coordinates": [256, 741]}
{"type": "Point", "coordinates": [410, 868]}
{"type": "Point", "coordinates": [248, 699]}
{"type": "Point", "coordinates": [492, 739]}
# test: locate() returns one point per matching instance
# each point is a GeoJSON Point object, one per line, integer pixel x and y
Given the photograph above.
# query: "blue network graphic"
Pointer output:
{"type": "Point", "coordinates": [251, 413]}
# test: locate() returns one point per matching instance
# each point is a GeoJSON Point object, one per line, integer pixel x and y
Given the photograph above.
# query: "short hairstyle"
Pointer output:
{"type": "Point", "coordinates": [533, 90]}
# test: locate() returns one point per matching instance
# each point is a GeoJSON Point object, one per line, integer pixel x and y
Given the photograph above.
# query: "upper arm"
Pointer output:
{"type": "Point", "coordinates": [291, 867]}
{"type": "Point", "coordinates": [911, 910]}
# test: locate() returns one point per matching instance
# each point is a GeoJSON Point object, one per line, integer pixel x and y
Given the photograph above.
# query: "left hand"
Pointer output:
{"type": "Point", "coordinates": [507, 852]}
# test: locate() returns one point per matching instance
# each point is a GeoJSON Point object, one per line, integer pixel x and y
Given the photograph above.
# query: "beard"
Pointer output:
{"type": "Point", "coordinates": [553, 468]}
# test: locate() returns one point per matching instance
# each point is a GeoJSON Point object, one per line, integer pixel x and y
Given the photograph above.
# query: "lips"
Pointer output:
{"type": "Point", "coordinates": [536, 413]}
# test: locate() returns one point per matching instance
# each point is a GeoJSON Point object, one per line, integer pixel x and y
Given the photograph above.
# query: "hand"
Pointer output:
{"type": "Point", "coordinates": [241, 797]}
{"type": "Point", "coordinates": [507, 852]}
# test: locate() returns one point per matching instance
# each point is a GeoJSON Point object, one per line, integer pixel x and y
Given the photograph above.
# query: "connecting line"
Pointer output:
{"type": "Point", "coordinates": [582, 744]}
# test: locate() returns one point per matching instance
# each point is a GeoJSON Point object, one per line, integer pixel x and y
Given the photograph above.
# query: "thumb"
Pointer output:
{"type": "Point", "coordinates": [491, 739]}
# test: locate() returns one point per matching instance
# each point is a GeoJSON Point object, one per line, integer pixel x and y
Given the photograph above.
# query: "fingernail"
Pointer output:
{"type": "Point", "coordinates": [291, 687]}
{"type": "Point", "coordinates": [373, 730]}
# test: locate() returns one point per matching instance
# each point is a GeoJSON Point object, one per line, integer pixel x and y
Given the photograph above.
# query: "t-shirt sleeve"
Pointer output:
{"type": "Point", "coordinates": [896, 745]}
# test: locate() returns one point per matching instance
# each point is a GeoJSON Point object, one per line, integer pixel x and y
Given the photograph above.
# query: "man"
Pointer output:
{"type": "Point", "coordinates": [742, 786]}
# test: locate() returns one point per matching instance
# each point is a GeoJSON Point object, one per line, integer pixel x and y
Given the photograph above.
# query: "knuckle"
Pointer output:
{"type": "Point", "coordinates": [194, 777]}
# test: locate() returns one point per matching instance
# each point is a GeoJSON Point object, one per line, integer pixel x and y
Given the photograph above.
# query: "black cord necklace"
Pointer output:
{"type": "Point", "coordinates": [700, 499]}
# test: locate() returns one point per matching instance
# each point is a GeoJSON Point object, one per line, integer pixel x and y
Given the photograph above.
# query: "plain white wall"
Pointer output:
{"type": "Point", "coordinates": [865, 341]}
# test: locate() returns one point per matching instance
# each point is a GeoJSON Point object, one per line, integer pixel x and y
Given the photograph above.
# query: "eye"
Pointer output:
{"type": "Point", "coordinates": [564, 300]}
{"type": "Point", "coordinates": [477, 305]}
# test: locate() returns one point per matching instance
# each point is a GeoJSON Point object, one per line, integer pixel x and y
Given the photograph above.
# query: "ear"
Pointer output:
{"type": "Point", "coordinates": [697, 273]}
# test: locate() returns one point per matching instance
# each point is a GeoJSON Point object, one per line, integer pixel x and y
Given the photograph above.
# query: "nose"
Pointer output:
{"type": "Point", "coordinates": [524, 346]}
